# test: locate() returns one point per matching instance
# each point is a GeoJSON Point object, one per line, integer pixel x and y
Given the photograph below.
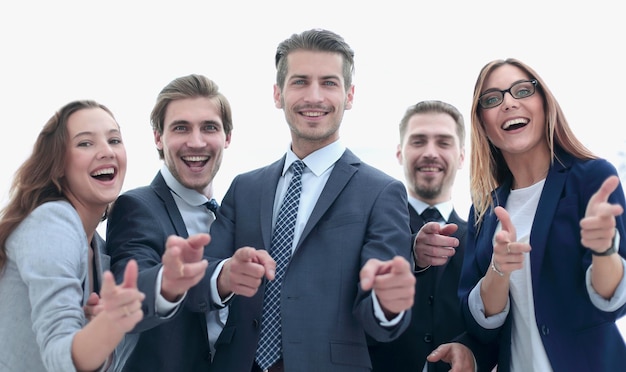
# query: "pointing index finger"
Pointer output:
{"type": "Point", "coordinates": [505, 220]}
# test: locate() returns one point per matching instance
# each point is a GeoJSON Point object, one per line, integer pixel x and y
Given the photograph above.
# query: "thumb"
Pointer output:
{"type": "Point", "coordinates": [368, 272]}
{"type": "Point", "coordinates": [93, 299]}
{"type": "Point", "coordinates": [505, 220]}
{"type": "Point", "coordinates": [602, 195]}
{"type": "Point", "coordinates": [108, 284]}
{"type": "Point", "coordinates": [398, 265]}
{"type": "Point", "coordinates": [199, 240]}
{"type": "Point", "coordinates": [130, 275]}
{"type": "Point", "coordinates": [449, 229]}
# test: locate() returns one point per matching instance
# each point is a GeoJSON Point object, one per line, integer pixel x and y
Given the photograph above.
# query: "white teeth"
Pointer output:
{"type": "Point", "coordinates": [513, 122]}
{"type": "Point", "coordinates": [195, 158]}
{"type": "Point", "coordinates": [429, 169]}
{"type": "Point", "coordinates": [104, 171]}
{"type": "Point", "coordinates": [313, 114]}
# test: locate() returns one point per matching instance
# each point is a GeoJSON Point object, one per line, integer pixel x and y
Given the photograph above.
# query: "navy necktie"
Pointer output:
{"type": "Point", "coordinates": [269, 348]}
{"type": "Point", "coordinates": [431, 215]}
{"type": "Point", "coordinates": [211, 205]}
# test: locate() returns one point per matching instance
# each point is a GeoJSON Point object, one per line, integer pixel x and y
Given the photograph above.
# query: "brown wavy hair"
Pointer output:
{"type": "Point", "coordinates": [40, 178]}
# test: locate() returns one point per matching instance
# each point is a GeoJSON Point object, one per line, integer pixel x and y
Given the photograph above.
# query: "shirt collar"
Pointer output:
{"type": "Point", "coordinates": [319, 160]}
{"type": "Point", "coordinates": [191, 197]}
{"type": "Point", "coordinates": [445, 208]}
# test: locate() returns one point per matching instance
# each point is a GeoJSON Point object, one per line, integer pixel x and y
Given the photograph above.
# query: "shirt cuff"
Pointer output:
{"type": "Point", "coordinates": [477, 309]}
{"type": "Point", "coordinates": [380, 314]}
{"type": "Point", "coordinates": [615, 302]}
{"type": "Point", "coordinates": [163, 307]}
{"type": "Point", "coordinates": [215, 295]}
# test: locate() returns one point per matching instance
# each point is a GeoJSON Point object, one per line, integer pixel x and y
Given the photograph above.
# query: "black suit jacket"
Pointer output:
{"type": "Point", "coordinates": [436, 317]}
{"type": "Point", "coordinates": [138, 226]}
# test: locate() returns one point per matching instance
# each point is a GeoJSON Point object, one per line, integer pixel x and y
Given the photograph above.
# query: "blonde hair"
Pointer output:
{"type": "Point", "coordinates": [488, 170]}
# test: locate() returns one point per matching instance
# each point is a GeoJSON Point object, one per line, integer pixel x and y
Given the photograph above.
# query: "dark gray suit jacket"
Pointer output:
{"type": "Point", "coordinates": [139, 224]}
{"type": "Point", "coordinates": [361, 214]}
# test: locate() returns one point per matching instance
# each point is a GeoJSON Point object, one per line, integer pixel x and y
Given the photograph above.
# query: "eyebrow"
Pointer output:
{"type": "Point", "coordinates": [499, 90]}
{"type": "Point", "coordinates": [437, 136]}
{"type": "Point", "coordinates": [89, 133]}
{"type": "Point", "coordinates": [187, 122]}
{"type": "Point", "coordinates": [325, 77]}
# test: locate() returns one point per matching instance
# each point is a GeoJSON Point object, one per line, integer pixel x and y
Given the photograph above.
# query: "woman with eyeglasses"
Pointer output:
{"type": "Point", "coordinates": [543, 274]}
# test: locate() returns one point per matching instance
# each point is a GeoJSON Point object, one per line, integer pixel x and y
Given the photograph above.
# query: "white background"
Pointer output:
{"type": "Point", "coordinates": [121, 53]}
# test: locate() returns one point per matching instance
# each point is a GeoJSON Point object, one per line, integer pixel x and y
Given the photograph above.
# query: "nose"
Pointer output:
{"type": "Point", "coordinates": [106, 151]}
{"type": "Point", "coordinates": [508, 101]}
{"type": "Point", "coordinates": [314, 93]}
{"type": "Point", "coordinates": [196, 139]}
{"type": "Point", "coordinates": [430, 150]}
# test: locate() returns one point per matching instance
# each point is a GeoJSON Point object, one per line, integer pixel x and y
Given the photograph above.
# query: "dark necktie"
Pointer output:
{"type": "Point", "coordinates": [211, 205]}
{"type": "Point", "coordinates": [269, 348]}
{"type": "Point", "coordinates": [431, 215]}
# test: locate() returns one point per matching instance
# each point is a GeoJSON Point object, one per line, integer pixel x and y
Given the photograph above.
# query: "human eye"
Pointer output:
{"type": "Point", "coordinates": [523, 89]}
{"type": "Point", "coordinates": [115, 141]}
{"type": "Point", "coordinates": [179, 128]}
{"type": "Point", "coordinates": [84, 144]}
{"type": "Point", "coordinates": [418, 142]}
{"type": "Point", "coordinates": [491, 99]}
{"type": "Point", "coordinates": [211, 128]}
{"type": "Point", "coordinates": [330, 83]}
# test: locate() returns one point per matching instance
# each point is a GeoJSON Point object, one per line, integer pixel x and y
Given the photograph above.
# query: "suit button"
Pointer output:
{"type": "Point", "coordinates": [431, 299]}
{"type": "Point", "coordinates": [208, 356]}
{"type": "Point", "coordinates": [255, 323]}
{"type": "Point", "coordinates": [428, 338]}
{"type": "Point", "coordinates": [545, 330]}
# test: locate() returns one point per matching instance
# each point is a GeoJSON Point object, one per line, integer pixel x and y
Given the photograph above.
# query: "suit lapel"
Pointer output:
{"type": "Point", "coordinates": [544, 215]}
{"type": "Point", "coordinates": [102, 261]}
{"type": "Point", "coordinates": [163, 192]}
{"type": "Point", "coordinates": [459, 234]}
{"type": "Point", "coordinates": [270, 174]}
{"type": "Point", "coordinates": [343, 171]}
{"type": "Point", "coordinates": [415, 220]}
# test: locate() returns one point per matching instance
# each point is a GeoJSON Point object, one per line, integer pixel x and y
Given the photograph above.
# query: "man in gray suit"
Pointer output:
{"type": "Point", "coordinates": [347, 272]}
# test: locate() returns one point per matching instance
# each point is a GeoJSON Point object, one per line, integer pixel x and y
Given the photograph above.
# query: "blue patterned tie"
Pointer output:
{"type": "Point", "coordinates": [269, 348]}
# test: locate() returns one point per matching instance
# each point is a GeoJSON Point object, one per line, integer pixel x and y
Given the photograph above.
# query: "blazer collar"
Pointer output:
{"type": "Point", "coordinates": [548, 202]}
{"type": "Point", "coordinates": [164, 193]}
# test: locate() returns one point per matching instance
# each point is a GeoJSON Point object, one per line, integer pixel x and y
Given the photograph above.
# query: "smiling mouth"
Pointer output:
{"type": "Point", "coordinates": [312, 114]}
{"type": "Point", "coordinates": [514, 124]}
{"type": "Point", "coordinates": [195, 160]}
{"type": "Point", "coordinates": [429, 168]}
{"type": "Point", "coordinates": [105, 174]}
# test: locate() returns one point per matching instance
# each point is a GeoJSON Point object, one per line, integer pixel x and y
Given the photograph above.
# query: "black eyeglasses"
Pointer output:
{"type": "Point", "coordinates": [519, 90]}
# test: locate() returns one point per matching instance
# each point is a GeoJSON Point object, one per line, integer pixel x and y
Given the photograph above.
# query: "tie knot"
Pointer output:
{"type": "Point", "coordinates": [297, 167]}
{"type": "Point", "coordinates": [431, 215]}
{"type": "Point", "coordinates": [212, 205]}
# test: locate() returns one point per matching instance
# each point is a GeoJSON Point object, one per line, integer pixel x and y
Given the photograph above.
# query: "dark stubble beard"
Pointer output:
{"type": "Point", "coordinates": [428, 193]}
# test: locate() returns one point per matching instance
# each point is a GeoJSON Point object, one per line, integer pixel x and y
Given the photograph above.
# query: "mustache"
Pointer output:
{"type": "Point", "coordinates": [313, 107]}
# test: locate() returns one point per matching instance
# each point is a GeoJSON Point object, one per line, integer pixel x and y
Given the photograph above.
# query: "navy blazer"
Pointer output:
{"type": "Point", "coordinates": [576, 335]}
{"type": "Point", "coordinates": [361, 214]}
{"type": "Point", "coordinates": [138, 226]}
{"type": "Point", "coordinates": [436, 317]}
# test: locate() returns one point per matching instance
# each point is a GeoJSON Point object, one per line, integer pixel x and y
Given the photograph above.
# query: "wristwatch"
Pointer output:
{"type": "Point", "coordinates": [612, 249]}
